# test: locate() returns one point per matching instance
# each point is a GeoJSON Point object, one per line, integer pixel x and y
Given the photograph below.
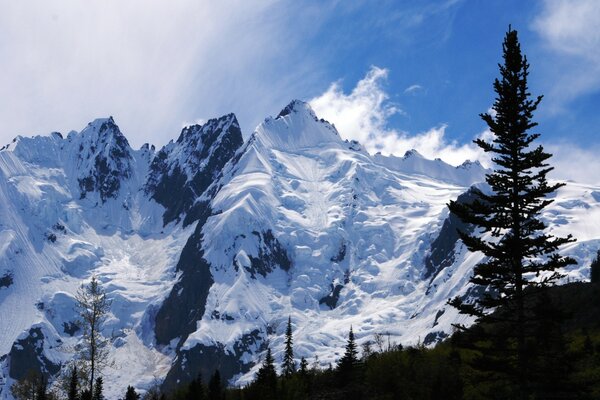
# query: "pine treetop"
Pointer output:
{"type": "Point", "coordinates": [288, 366]}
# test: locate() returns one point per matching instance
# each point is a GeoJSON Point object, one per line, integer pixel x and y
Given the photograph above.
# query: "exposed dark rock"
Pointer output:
{"type": "Point", "coordinates": [105, 163]}
{"type": "Point", "coordinates": [339, 257]}
{"type": "Point", "coordinates": [70, 328]}
{"type": "Point", "coordinates": [27, 354]}
{"type": "Point", "coordinates": [442, 249]}
{"type": "Point", "coordinates": [182, 171]}
{"type": "Point", "coordinates": [332, 298]}
{"type": "Point", "coordinates": [271, 255]}
{"type": "Point", "coordinates": [6, 280]}
{"type": "Point", "coordinates": [51, 237]}
{"type": "Point", "coordinates": [437, 316]}
{"type": "Point", "coordinates": [434, 337]}
{"type": "Point", "coordinates": [204, 360]}
{"type": "Point", "coordinates": [186, 302]}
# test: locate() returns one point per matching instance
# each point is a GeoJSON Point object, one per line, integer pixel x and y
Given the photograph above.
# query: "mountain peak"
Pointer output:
{"type": "Point", "coordinates": [296, 106]}
{"type": "Point", "coordinates": [412, 153]}
{"type": "Point", "coordinates": [296, 127]}
{"type": "Point", "coordinates": [200, 132]}
{"type": "Point", "coordinates": [104, 158]}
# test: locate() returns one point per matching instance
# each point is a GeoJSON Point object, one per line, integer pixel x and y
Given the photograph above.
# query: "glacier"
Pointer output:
{"type": "Point", "coordinates": [207, 245]}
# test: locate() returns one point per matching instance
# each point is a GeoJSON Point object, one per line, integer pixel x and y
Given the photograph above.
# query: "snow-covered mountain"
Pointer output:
{"type": "Point", "coordinates": [209, 244]}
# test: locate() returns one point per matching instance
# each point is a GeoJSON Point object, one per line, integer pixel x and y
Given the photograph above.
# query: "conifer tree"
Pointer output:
{"type": "Point", "coordinates": [98, 389]}
{"type": "Point", "coordinates": [303, 367]}
{"type": "Point", "coordinates": [27, 388]}
{"type": "Point", "coordinates": [509, 231]}
{"type": "Point", "coordinates": [131, 394]}
{"type": "Point", "coordinates": [215, 388]}
{"type": "Point", "coordinates": [595, 269]}
{"type": "Point", "coordinates": [196, 389]}
{"type": "Point", "coordinates": [42, 388]}
{"type": "Point", "coordinates": [288, 367]}
{"type": "Point", "coordinates": [73, 384]}
{"type": "Point", "coordinates": [266, 378]}
{"type": "Point", "coordinates": [350, 358]}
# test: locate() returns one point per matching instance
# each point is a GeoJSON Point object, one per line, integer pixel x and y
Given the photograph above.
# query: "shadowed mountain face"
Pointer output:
{"type": "Point", "coordinates": [209, 244]}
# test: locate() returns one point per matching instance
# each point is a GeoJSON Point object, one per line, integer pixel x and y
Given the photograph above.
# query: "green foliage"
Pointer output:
{"type": "Point", "coordinates": [195, 389]}
{"type": "Point", "coordinates": [73, 384]}
{"type": "Point", "coordinates": [510, 234]}
{"type": "Point", "coordinates": [595, 269]}
{"type": "Point", "coordinates": [288, 367]}
{"type": "Point", "coordinates": [215, 388]}
{"type": "Point", "coordinates": [265, 385]}
{"type": "Point", "coordinates": [98, 389]}
{"type": "Point", "coordinates": [131, 394]}
{"type": "Point", "coordinates": [348, 367]}
{"type": "Point", "coordinates": [31, 387]}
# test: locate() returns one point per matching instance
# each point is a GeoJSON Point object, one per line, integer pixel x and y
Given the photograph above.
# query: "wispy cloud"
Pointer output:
{"type": "Point", "coordinates": [569, 30]}
{"type": "Point", "coordinates": [412, 89]}
{"type": "Point", "coordinates": [152, 65]}
{"type": "Point", "coordinates": [574, 163]}
{"type": "Point", "coordinates": [363, 115]}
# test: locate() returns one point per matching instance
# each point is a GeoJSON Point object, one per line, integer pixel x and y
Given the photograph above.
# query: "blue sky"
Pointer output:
{"type": "Point", "coordinates": [393, 74]}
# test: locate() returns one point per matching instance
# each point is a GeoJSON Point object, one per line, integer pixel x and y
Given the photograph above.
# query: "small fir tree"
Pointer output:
{"type": "Point", "coordinates": [350, 359]}
{"type": "Point", "coordinates": [98, 389]}
{"type": "Point", "coordinates": [86, 395]}
{"type": "Point", "coordinates": [303, 367]}
{"type": "Point", "coordinates": [215, 388]}
{"type": "Point", "coordinates": [509, 231]}
{"type": "Point", "coordinates": [73, 384]}
{"type": "Point", "coordinates": [27, 388]}
{"type": "Point", "coordinates": [266, 378]}
{"type": "Point", "coordinates": [42, 388]}
{"type": "Point", "coordinates": [131, 394]}
{"type": "Point", "coordinates": [595, 269]}
{"type": "Point", "coordinates": [196, 389]}
{"type": "Point", "coordinates": [288, 367]}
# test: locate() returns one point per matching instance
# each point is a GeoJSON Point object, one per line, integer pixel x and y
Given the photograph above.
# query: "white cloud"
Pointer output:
{"type": "Point", "coordinates": [569, 30]}
{"type": "Point", "coordinates": [152, 65]}
{"type": "Point", "coordinates": [363, 114]}
{"type": "Point", "coordinates": [413, 89]}
{"type": "Point", "coordinates": [574, 163]}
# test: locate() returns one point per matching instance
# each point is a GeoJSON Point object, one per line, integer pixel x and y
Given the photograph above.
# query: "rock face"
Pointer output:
{"type": "Point", "coordinates": [182, 171]}
{"type": "Point", "coordinates": [28, 355]}
{"type": "Point", "coordinates": [442, 253]}
{"type": "Point", "coordinates": [209, 244]}
{"type": "Point", "coordinates": [104, 159]}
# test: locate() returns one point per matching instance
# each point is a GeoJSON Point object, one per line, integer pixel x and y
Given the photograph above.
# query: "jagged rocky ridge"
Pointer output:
{"type": "Point", "coordinates": [208, 245]}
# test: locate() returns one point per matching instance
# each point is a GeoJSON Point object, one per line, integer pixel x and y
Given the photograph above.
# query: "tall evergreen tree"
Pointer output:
{"type": "Point", "coordinates": [215, 387]}
{"type": "Point", "coordinates": [595, 269]}
{"type": "Point", "coordinates": [73, 384]}
{"type": "Point", "coordinates": [288, 367]}
{"type": "Point", "coordinates": [509, 231]}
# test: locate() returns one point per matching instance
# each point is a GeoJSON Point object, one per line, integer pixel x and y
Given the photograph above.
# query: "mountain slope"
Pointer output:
{"type": "Point", "coordinates": [209, 244]}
